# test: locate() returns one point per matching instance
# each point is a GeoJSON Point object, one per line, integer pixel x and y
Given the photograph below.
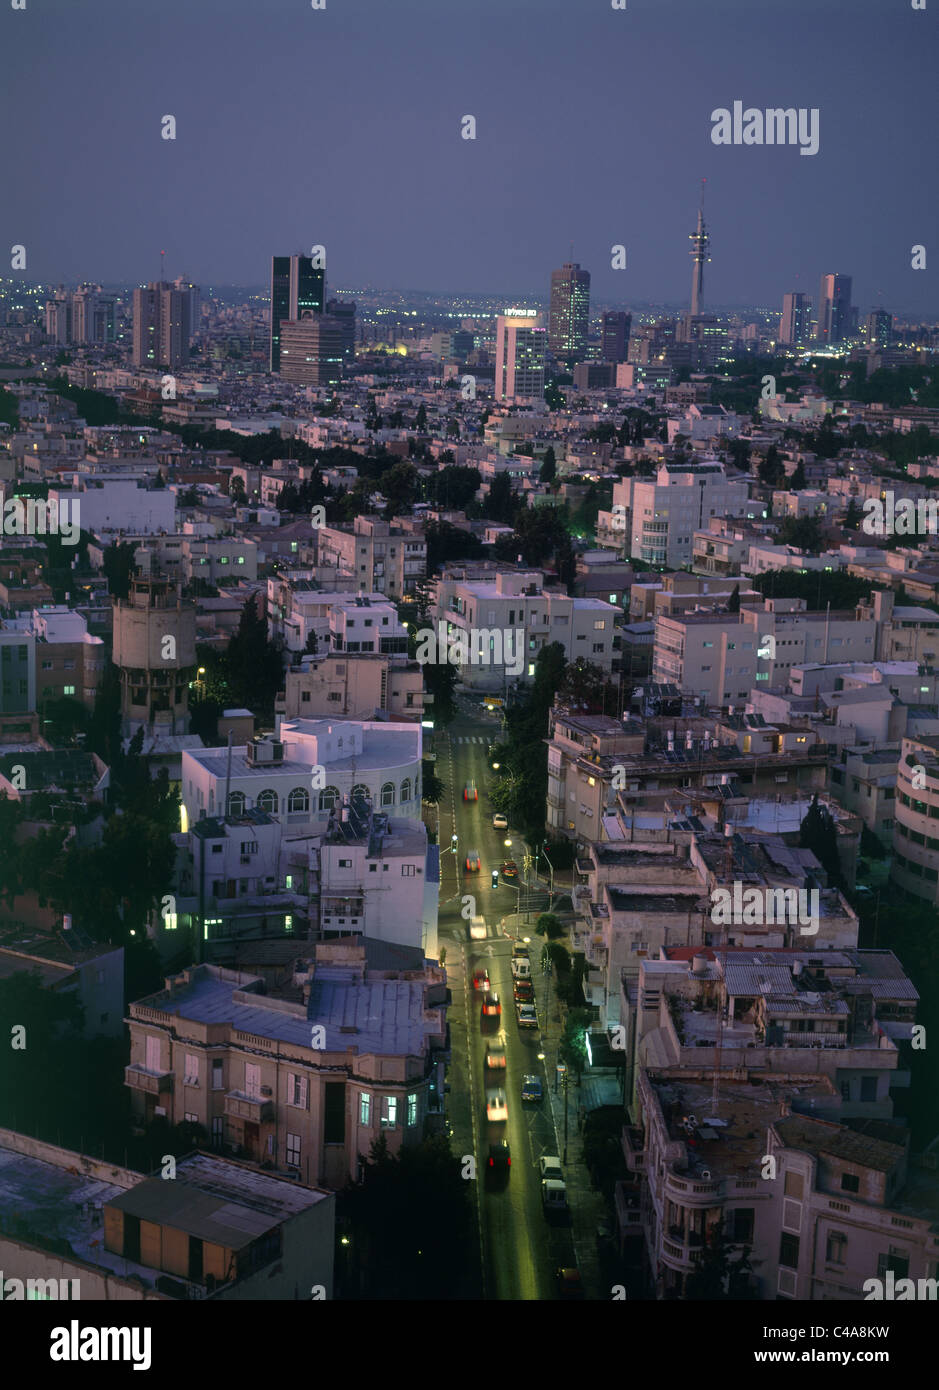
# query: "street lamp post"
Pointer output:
{"type": "Point", "coordinates": [564, 1160]}
{"type": "Point", "coordinates": [544, 852]}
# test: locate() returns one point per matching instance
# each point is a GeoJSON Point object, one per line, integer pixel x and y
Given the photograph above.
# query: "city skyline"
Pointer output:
{"type": "Point", "coordinates": [375, 203]}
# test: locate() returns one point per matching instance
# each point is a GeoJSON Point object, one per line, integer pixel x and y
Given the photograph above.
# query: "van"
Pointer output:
{"type": "Point", "coordinates": [478, 929]}
{"type": "Point", "coordinates": [553, 1195]}
{"type": "Point", "coordinates": [521, 968]}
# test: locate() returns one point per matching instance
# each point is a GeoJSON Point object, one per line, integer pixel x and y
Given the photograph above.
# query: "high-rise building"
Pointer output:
{"type": "Point", "coordinates": [162, 326]}
{"type": "Point", "coordinates": [878, 328]}
{"type": "Point", "coordinates": [615, 336]}
{"type": "Point", "coordinates": [59, 316]}
{"type": "Point", "coordinates": [834, 309]}
{"type": "Point", "coordinates": [311, 349]}
{"type": "Point", "coordinates": [520, 353]}
{"type": "Point", "coordinates": [195, 301]}
{"type": "Point", "coordinates": [795, 321]}
{"type": "Point", "coordinates": [570, 311]}
{"type": "Point", "coordinates": [297, 287]}
{"type": "Point", "coordinates": [344, 311]}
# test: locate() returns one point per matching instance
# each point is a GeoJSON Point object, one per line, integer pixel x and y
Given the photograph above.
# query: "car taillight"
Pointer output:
{"type": "Point", "coordinates": [492, 1163]}
{"type": "Point", "coordinates": [508, 1163]}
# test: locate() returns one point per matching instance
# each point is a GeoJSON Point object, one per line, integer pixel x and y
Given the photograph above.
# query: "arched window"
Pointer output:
{"type": "Point", "coordinates": [361, 791]}
{"type": "Point", "coordinates": [329, 797]}
{"type": "Point", "coordinates": [267, 801]}
{"type": "Point", "coordinates": [299, 800]}
{"type": "Point", "coordinates": [405, 790]}
{"type": "Point", "coordinates": [388, 794]}
{"type": "Point", "coordinates": [236, 803]}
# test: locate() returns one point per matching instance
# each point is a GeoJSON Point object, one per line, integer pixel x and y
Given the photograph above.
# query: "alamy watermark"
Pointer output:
{"type": "Point", "coordinates": [776, 125]}
{"type": "Point", "coordinates": [33, 516]}
{"type": "Point", "coordinates": [476, 646]}
{"type": "Point", "coordinates": [757, 907]}
{"type": "Point", "coordinates": [900, 516]}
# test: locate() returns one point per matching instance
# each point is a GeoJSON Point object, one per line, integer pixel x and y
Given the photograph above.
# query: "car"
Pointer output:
{"type": "Point", "coordinates": [497, 1108]}
{"type": "Point", "coordinates": [524, 992]}
{"type": "Point", "coordinates": [477, 929]}
{"type": "Point", "coordinates": [481, 979]}
{"type": "Point", "coordinates": [495, 1057]}
{"type": "Point", "coordinates": [500, 1157]}
{"type": "Point", "coordinates": [500, 822]}
{"type": "Point", "coordinates": [519, 951]}
{"type": "Point", "coordinates": [472, 861]}
{"type": "Point", "coordinates": [531, 1088]}
{"type": "Point", "coordinates": [469, 792]}
{"type": "Point", "coordinates": [553, 1195]}
{"type": "Point", "coordinates": [521, 967]}
{"type": "Point", "coordinates": [527, 1018]}
{"type": "Point", "coordinates": [492, 1006]}
{"type": "Point", "coordinates": [550, 1166]}
{"type": "Point", "coordinates": [509, 869]}
{"type": "Point", "coordinates": [568, 1282]}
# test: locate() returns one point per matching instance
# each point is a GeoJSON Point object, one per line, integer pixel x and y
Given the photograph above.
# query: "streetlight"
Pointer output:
{"type": "Point", "coordinates": [495, 767]}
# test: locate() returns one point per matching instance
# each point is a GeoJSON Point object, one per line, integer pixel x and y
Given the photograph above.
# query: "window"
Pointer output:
{"type": "Point", "coordinates": [868, 1088]}
{"type": "Point", "coordinates": [741, 1226]}
{"type": "Point", "coordinates": [298, 800]}
{"type": "Point", "coordinates": [153, 1054]}
{"type": "Point", "coordinates": [297, 1090]}
{"type": "Point", "coordinates": [895, 1260]}
{"type": "Point", "coordinates": [293, 1150]}
{"type": "Point", "coordinates": [68, 690]}
{"type": "Point", "coordinates": [268, 801]}
{"type": "Point", "coordinates": [218, 1122]}
{"type": "Point", "coordinates": [405, 790]}
{"type": "Point", "coordinates": [191, 1077]}
{"type": "Point", "coordinates": [218, 1083]}
{"type": "Point", "coordinates": [850, 1182]}
{"type": "Point", "coordinates": [407, 870]}
{"type": "Point", "coordinates": [191, 1117]}
{"type": "Point", "coordinates": [835, 1247]}
{"type": "Point", "coordinates": [389, 1112]}
{"type": "Point", "coordinates": [388, 794]}
{"type": "Point", "coordinates": [789, 1251]}
{"type": "Point", "coordinates": [249, 846]}
{"type": "Point", "coordinates": [794, 1184]}
{"type": "Point", "coordinates": [361, 791]}
{"type": "Point", "coordinates": [412, 1110]}
{"type": "Point", "coordinates": [329, 798]}
{"type": "Point", "coordinates": [365, 1108]}
{"type": "Point", "coordinates": [236, 803]}
{"type": "Point", "coordinates": [252, 1080]}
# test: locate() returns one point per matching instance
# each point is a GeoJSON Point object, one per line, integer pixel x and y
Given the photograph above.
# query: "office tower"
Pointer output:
{"type": "Point", "coordinates": [795, 320]}
{"type": "Point", "coordinates": [344, 311]}
{"type": "Point", "coordinates": [185, 286]}
{"type": "Point", "coordinates": [92, 316]}
{"type": "Point", "coordinates": [834, 309]}
{"type": "Point", "coordinates": [570, 310]}
{"type": "Point", "coordinates": [615, 336]}
{"type": "Point", "coordinates": [520, 353]}
{"type": "Point", "coordinates": [59, 316]}
{"type": "Point", "coordinates": [699, 253]}
{"type": "Point", "coordinates": [297, 287]}
{"type": "Point", "coordinates": [311, 349]}
{"type": "Point", "coordinates": [161, 326]}
{"type": "Point", "coordinates": [878, 328]}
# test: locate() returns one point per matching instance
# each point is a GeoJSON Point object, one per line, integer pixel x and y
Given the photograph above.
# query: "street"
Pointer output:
{"type": "Point", "coordinates": [520, 1250]}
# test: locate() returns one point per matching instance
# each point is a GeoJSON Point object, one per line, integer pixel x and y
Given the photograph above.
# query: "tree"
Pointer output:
{"type": "Point", "coordinates": [118, 565]}
{"type": "Point", "coordinates": [255, 669]}
{"type": "Point", "coordinates": [719, 1272]}
{"type": "Point", "coordinates": [804, 532]}
{"type": "Point", "coordinates": [733, 603]}
{"type": "Point", "coordinates": [549, 468]}
{"type": "Point", "coordinates": [797, 481]}
{"type": "Point", "coordinates": [852, 518]}
{"type": "Point", "coordinates": [501, 502]}
{"type": "Point", "coordinates": [446, 542]}
{"type": "Point", "coordinates": [454, 486]}
{"type": "Point", "coordinates": [400, 488]}
{"type": "Point", "coordinates": [420, 419]}
{"type": "Point", "coordinates": [432, 788]}
{"type": "Point", "coordinates": [549, 926]}
{"type": "Point", "coordinates": [236, 489]}
{"type": "Point", "coordinates": [770, 470]}
{"type": "Point", "coordinates": [817, 833]}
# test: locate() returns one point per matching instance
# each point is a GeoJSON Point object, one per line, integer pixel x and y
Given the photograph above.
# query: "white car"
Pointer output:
{"type": "Point", "coordinates": [550, 1166]}
{"type": "Point", "coordinates": [496, 1106]}
{"type": "Point", "coordinates": [478, 928]}
{"type": "Point", "coordinates": [521, 968]}
{"type": "Point", "coordinates": [500, 822]}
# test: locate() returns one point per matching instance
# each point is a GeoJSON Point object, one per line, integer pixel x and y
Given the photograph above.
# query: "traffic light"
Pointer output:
{"type": "Point", "coordinates": [453, 841]}
{"type": "Point", "coordinates": [495, 878]}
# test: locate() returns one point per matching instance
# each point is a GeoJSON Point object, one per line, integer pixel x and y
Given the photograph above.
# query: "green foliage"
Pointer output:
{"type": "Point", "coordinates": [446, 542]}
{"type": "Point", "coordinates": [770, 470]}
{"type": "Point", "coordinates": [254, 667]}
{"type": "Point", "coordinates": [818, 588]}
{"type": "Point", "coordinates": [9, 409]}
{"type": "Point", "coordinates": [733, 603]}
{"type": "Point", "coordinates": [549, 467]}
{"type": "Point", "coordinates": [549, 926]}
{"type": "Point", "coordinates": [804, 532]}
{"type": "Point", "coordinates": [501, 502]}
{"type": "Point", "coordinates": [817, 833]}
{"type": "Point", "coordinates": [454, 487]}
{"type": "Point", "coordinates": [432, 788]}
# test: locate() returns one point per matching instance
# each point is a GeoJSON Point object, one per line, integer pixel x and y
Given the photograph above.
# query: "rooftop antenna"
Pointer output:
{"type": "Point", "coordinates": [162, 267]}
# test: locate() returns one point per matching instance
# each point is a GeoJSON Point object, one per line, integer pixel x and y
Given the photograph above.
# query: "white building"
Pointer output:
{"type": "Point", "coordinates": [660, 517]}
{"type": "Point", "coordinates": [520, 354]}
{"type": "Point", "coordinates": [118, 504]}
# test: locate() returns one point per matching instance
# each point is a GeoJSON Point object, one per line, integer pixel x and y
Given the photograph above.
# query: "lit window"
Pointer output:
{"type": "Point", "coordinates": [365, 1108]}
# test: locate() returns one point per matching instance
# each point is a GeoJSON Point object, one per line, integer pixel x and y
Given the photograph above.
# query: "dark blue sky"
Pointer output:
{"type": "Point", "coordinates": [342, 126]}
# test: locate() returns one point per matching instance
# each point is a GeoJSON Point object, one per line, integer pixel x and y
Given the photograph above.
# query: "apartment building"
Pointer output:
{"type": "Point", "coordinates": [215, 559]}
{"type": "Point", "coordinates": [660, 516]}
{"type": "Point", "coordinates": [352, 685]}
{"type": "Point", "coordinates": [67, 960]}
{"type": "Point", "coordinates": [904, 632]}
{"type": "Point", "coordinates": [720, 658]}
{"type": "Point", "coordinates": [221, 1230]}
{"type": "Point", "coordinates": [722, 547]}
{"type": "Point", "coordinates": [304, 775]}
{"type": "Point", "coordinates": [383, 558]}
{"type": "Point", "coordinates": [305, 1077]}
{"type": "Point", "coordinates": [583, 752]}
{"type": "Point", "coordinates": [915, 867]}
{"type": "Point", "coordinates": [845, 1014]}
{"type": "Point", "coordinates": [69, 660]}
{"type": "Point", "coordinates": [17, 667]}
{"type": "Point", "coordinates": [515, 615]}
{"type": "Point", "coordinates": [117, 504]}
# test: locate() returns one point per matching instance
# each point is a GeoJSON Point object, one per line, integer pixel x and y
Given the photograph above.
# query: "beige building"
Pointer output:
{"type": "Point", "coordinates": [380, 556]}
{"type": "Point", "coordinates": [915, 866]}
{"type": "Point", "coordinates": [353, 685]}
{"type": "Point", "coordinates": [304, 1077]}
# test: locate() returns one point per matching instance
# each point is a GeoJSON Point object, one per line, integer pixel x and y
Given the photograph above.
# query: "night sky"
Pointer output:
{"type": "Point", "coordinates": [342, 127]}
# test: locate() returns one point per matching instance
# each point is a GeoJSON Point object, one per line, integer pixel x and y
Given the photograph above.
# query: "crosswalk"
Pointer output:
{"type": "Point", "coordinates": [468, 738]}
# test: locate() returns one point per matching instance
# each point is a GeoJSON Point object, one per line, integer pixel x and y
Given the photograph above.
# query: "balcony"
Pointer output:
{"type": "Point", "coordinates": [240, 1106]}
{"type": "Point", "coordinates": [153, 1083]}
{"type": "Point", "coordinates": [633, 1141]}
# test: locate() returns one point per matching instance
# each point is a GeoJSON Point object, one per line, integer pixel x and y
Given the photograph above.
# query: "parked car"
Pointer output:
{"type": "Point", "coordinates": [524, 992]}
{"type": "Point", "coordinates": [492, 1006]}
{"type": "Point", "coordinates": [500, 822]}
{"type": "Point", "coordinates": [481, 979]}
{"type": "Point", "coordinates": [519, 951]}
{"type": "Point", "coordinates": [527, 1018]}
{"type": "Point", "coordinates": [472, 861]}
{"type": "Point", "coordinates": [553, 1195]}
{"type": "Point", "coordinates": [521, 967]}
{"type": "Point", "coordinates": [497, 1108]}
{"type": "Point", "coordinates": [495, 1057]}
{"type": "Point", "coordinates": [469, 792]}
{"type": "Point", "coordinates": [568, 1282]}
{"type": "Point", "coordinates": [550, 1166]}
{"type": "Point", "coordinates": [531, 1088]}
{"type": "Point", "coordinates": [509, 869]}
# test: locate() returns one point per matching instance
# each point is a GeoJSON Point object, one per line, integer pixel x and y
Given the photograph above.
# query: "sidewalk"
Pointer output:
{"type": "Point", "coordinates": [587, 1207]}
